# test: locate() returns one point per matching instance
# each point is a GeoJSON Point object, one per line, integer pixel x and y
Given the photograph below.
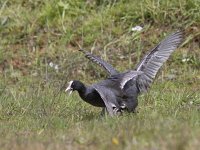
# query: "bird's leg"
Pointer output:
{"type": "Point", "coordinates": [104, 111]}
{"type": "Point", "coordinates": [117, 111]}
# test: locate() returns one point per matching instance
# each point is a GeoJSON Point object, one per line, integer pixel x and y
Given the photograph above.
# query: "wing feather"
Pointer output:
{"type": "Point", "coordinates": [147, 69]}
{"type": "Point", "coordinates": [152, 62]}
{"type": "Point", "coordinates": [108, 97]}
{"type": "Point", "coordinates": [109, 68]}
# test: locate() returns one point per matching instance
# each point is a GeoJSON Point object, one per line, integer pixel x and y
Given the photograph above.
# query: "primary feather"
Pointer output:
{"type": "Point", "coordinates": [109, 68]}
{"type": "Point", "coordinates": [153, 61]}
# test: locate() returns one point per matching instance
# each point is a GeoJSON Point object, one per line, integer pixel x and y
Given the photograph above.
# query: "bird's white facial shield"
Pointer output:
{"type": "Point", "coordinates": [69, 88]}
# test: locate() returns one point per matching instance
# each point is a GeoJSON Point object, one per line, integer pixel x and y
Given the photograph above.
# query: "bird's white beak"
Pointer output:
{"type": "Point", "coordinates": [69, 89]}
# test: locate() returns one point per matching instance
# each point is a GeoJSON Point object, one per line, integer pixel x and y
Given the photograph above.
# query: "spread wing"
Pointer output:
{"type": "Point", "coordinates": [153, 61]}
{"type": "Point", "coordinates": [109, 68]}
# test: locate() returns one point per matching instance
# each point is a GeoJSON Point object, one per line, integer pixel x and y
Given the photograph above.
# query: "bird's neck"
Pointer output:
{"type": "Point", "coordinates": [82, 89]}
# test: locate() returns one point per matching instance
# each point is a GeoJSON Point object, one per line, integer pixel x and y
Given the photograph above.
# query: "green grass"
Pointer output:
{"type": "Point", "coordinates": [35, 113]}
{"type": "Point", "coordinates": [167, 118]}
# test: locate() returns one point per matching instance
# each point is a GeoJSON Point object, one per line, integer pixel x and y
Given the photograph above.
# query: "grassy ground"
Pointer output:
{"type": "Point", "coordinates": [38, 55]}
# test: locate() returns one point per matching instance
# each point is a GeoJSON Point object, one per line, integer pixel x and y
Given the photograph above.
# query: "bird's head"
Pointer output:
{"type": "Point", "coordinates": [74, 85]}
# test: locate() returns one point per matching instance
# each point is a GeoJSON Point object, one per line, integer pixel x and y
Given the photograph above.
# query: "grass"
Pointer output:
{"type": "Point", "coordinates": [167, 118]}
{"type": "Point", "coordinates": [36, 36]}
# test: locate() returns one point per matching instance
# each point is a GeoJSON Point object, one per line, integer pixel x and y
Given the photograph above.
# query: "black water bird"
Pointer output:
{"type": "Point", "coordinates": [119, 91]}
